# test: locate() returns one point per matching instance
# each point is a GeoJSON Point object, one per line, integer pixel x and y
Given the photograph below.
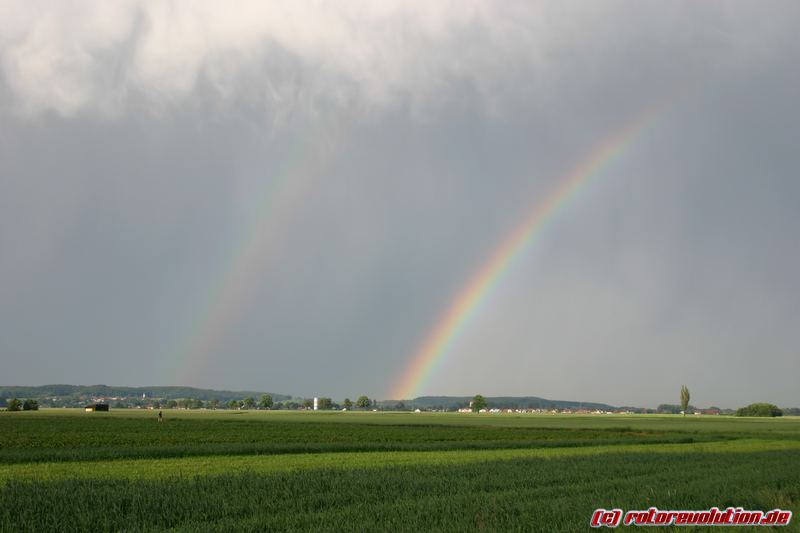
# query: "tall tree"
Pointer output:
{"type": "Point", "coordinates": [478, 403]}
{"type": "Point", "coordinates": [266, 401]}
{"type": "Point", "coordinates": [30, 405]}
{"type": "Point", "coordinates": [347, 404]}
{"type": "Point", "coordinates": [14, 405]}
{"type": "Point", "coordinates": [684, 399]}
{"type": "Point", "coordinates": [249, 402]}
{"type": "Point", "coordinates": [363, 402]}
{"type": "Point", "coordinates": [234, 404]}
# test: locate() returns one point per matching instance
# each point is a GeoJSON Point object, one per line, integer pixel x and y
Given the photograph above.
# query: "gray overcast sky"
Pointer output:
{"type": "Point", "coordinates": [286, 196]}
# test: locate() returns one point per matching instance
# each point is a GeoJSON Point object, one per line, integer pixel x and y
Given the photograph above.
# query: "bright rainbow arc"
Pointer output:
{"type": "Point", "coordinates": [463, 308]}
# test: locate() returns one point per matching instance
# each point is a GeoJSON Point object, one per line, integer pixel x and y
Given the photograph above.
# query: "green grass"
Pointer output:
{"type": "Point", "coordinates": [63, 470]}
{"type": "Point", "coordinates": [53, 436]}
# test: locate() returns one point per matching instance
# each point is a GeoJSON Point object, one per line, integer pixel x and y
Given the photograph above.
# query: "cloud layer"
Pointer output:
{"type": "Point", "coordinates": [87, 57]}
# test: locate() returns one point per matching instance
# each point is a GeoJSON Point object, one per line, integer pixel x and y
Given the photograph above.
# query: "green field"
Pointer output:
{"type": "Point", "coordinates": [66, 470]}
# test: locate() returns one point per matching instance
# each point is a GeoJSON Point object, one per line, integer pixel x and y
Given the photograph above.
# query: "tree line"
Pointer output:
{"type": "Point", "coordinates": [265, 401]}
{"type": "Point", "coordinates": [15, 404]}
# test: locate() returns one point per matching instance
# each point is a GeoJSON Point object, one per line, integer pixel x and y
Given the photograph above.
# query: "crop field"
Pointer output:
{"type": "Point", "coordinates": [66, 470]}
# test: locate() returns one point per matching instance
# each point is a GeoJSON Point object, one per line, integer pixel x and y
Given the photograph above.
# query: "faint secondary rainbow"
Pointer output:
{"type": "Point", "coordinates": [449, 327]}
{"type": "Point", "coordinates": [277, 203]}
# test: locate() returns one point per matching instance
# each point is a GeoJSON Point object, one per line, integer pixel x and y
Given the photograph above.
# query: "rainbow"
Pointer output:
{"type": "Point", "coordinates": [277, 202]}
{"type": "Point", "coordinates": [449, 327]}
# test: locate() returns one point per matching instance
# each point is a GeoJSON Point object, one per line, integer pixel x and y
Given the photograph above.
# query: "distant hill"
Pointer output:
{"type": "Point", "coordinates": [521, 402]}
{"type": "Point", "coordinates": [106, 391]}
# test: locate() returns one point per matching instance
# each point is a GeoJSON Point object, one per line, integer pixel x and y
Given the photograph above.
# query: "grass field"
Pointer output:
{"type": "Point", "coordinates": [66, 470]}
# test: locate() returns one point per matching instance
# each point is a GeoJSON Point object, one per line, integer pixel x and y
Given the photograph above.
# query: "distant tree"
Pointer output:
{"type": "Point", "coordinates": [760, 409]}
{"type": "Point", "coordinates": [325, 403]}
{"type": "Point", "coordinates": [14, 405]}
{"type": "Point", "coordinates": [197, 404]}
{"type": "Point", "coordinates": [119, 405]}
{"type": "Point", "coordinates": [2, 402]}
{"type": "Point", "coordinates": [478, 403]}
{"type": "Point", "coordinates": [185, 403]}
{"type": "Point", "coordinates": [363, 402]}
{"type": "Point", "coordinates": [30, 405]}
{"type": "Point", "coordinates": [213, 403]}
{"type": "Point", "coordinates": [266, 401]}
{"type": "Point", "coordinates": [234, 404]}
{"type": "Point", "coordinates": [308, 403]}
{"type": "Point", "coordinates": [347, 404]}
{"type": "Point", "coordinates": [684, 399]}
{"type": "Point", "coordinates": [668, 408]}
{"type": "Point", "coordinates": [791, 411]}
{"type": "Point", "coordinates": [172, 404]}
{"type": "Point", "coordinates": [249, 402]}
{"type": "Point", "coordinates": [156, 404]}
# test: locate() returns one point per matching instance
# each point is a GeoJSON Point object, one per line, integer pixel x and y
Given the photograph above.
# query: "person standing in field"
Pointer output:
{"type": "Point", "coordinates": [160, 416]}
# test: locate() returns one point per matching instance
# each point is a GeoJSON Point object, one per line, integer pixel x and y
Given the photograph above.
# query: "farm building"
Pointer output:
{"type": "Point", "coordinates": [96, 407]}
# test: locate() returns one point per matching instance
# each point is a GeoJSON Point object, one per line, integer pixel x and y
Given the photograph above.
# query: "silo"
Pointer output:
{"type": "Point", "coordinates": [316, 403]}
